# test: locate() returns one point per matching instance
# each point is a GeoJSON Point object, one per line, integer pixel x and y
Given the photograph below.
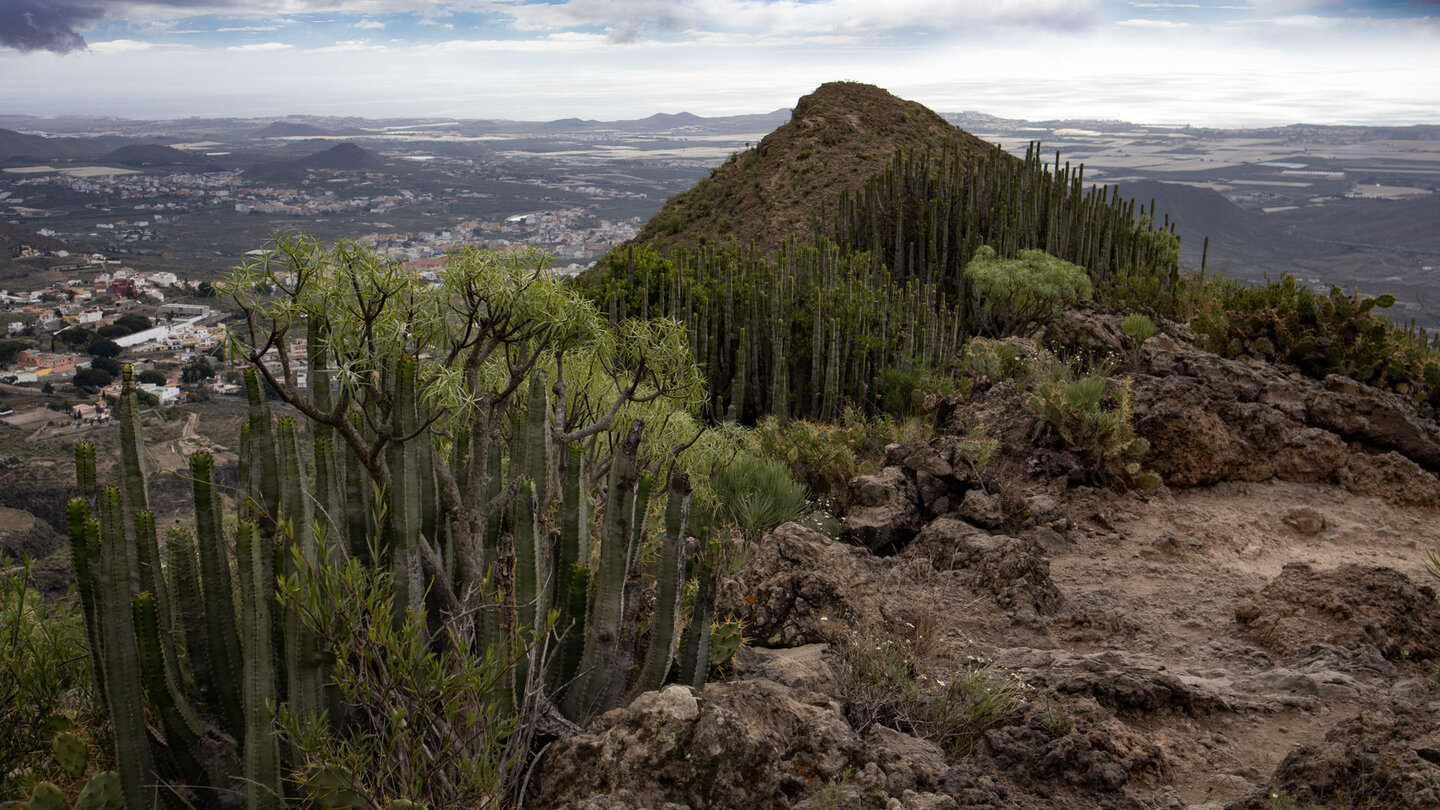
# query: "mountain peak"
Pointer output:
{"type": "Point", "coordinates": [838, 137]}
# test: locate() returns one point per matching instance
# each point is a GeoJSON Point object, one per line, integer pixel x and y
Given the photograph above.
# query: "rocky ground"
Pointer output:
{"type": "Point", "coordinates": [1262, 623]}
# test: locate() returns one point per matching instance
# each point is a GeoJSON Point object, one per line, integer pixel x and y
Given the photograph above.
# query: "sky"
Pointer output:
{"type": "Point", "coordinates": [1222, 63]}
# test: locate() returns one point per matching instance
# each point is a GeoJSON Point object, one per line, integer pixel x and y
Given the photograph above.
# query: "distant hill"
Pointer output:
{"type": "Point", "coordinates": [17, 147]}
{"type": "Point", "coordinates": [735, 124]}
{"type": "Point", "coordinates": [837, 138]}
{"type": "Point", "coordinates": [145, 155]}
{"type": "Point", "coordinates": [342, 157]}
{"type": "Point", "coordinates": [1200, 212]}
{"type": "Point", "coordinates": [289, 129]}
{"type": "Point", "coordinates": [278, 173]}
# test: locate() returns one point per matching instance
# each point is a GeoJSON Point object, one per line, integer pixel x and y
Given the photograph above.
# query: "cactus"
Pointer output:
{"type": "Point", "coordinates": [670, 580]}
{"type": "Point", "coordinates": [597, 689]}
{"type": "Point", "coordinates": [48, 796]}
{"type": "Point", "coordinates": [133, 613]}
{"type": "Point", "coordinates": [83, 556]}
{"type": "Point", "coordinates": [726, 638]}
{"type": "Point", "coordinates": [222, 641]}
{"type": "Point", "coordinates": [135, 762]}
{"type": "Point", "coordinates": [261, 752]}
{"type": "Point", "coordinates": [70, 754]}
{"type": "Point", "coordinates": [102, 792]}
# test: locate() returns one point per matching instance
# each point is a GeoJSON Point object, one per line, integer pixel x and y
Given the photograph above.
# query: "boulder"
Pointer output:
{"type": "Point", "coordinates": [754, 744]}
{"type": "Point", "coordinates": [1306, 520]}
{"type": "Point", "coordinates": [1014, 571]}
{"type": "Point", "coordinates": [1209, 419]}
{"type": "Point", "coordinates": [1388, 756]}
{"type": "Point", "coordinates": [1350, 606]}
{"type": "Point", "coordinates": [800, 587]}
{"type": "Point", "coordinates": [883, 510]}
{"type": "Point", "coordinates": [982, 509]}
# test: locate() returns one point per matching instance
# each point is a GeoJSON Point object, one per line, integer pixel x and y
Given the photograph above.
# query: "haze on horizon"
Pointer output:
{"type": "Point", "coordinates": [1207, 63]}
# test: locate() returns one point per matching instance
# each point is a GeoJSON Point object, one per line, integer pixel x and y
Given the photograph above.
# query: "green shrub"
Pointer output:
{"type": "Point", "coordinates": [822, 457]}
{"type": "Point", "coordinates": [422, 725]}
{"type": "Point", "coordinates": [1011, 295]}
{"type": "Point", "coordinates": [985, 361]}
{"type": "Point", "coordinates": [978, 448]}
{"type": "Point", "coordinates": [1092, 417]}
{"type": "Point", "coordinates": [908, 390]}
{"type": "Point", "coordinates": [1139, 328]}
{"type": "Point", "coordinates": [1335, 333]}
{"type": "Point", "coordinates": [757, 495]}
{"type": "Point", "coordinates": [882, 682]}
{"type": "Point", "coordinates": [43, 665]}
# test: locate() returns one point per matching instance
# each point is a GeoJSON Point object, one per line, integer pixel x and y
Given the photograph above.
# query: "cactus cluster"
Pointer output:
{"type": "Point", "coordinates": [101, 792]}
{"type": "Point", "coordinates": [199, 643]}
{"type": "Point", "coordinates": [156, 629]}
{"type": "Point", "coordinates": [806, 331]}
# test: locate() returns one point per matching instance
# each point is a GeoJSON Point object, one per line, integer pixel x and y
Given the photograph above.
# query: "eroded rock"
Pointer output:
{"type": "Point", "coordinates": [883, 510]}
{"type": "Point", "coordinates": [799, 587]}
{"type": "Point", "coordinates": [1350, 606]}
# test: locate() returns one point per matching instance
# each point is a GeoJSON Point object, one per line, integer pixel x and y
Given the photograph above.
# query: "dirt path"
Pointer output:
{"type": "Point", "coordinates": [1170, 572]}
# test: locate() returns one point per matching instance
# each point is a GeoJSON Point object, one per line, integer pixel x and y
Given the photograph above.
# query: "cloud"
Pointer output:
{"type": "Point", "coordinates": [368, 23]}
{"type": "Point", "coordinates": [349, 46]}
{"type": "Point", "coordinates": [121, 46]}
{"type": "Point", "coordinates": [624, 19]}
{"type": "Point", "coordinates": [262, 46]}
{"type": "Point", "coordinates": [46, 25]}
{"type": "Point", "coordinates": [1152, 24]}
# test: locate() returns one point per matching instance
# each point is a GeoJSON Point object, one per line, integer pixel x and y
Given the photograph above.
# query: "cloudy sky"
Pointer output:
{"type": "Point", "coordinates": [1207, 62]}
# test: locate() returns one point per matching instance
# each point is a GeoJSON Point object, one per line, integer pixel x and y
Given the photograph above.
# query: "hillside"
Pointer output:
{"type": "Point", "coordinates": [342, 157]}
{"type": "Point", "coordinates": [12, 237]}
{"type": "Point", "coordinates": [836, 139]}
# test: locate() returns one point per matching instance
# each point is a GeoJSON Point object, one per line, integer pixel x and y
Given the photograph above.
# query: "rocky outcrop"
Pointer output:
{"type": "Point", "coordinates": [883, 510]}
{"type": "Point", "coordinates": [1350, 606]}
{"type": "Point", "coordinates": [1209, 419]}
{"type": "Point", "coordinates": [751, 743]}
{"type": "Point", "coordinates": [1013, 571]}
{"type": "Point", "coordinates": [800, 587]}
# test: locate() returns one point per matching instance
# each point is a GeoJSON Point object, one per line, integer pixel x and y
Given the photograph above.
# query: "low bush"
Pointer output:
{"type": "Point", "coordinates": [882, 682]}
{"type": "Point", "coordinates": [1334, 333]}
{"type": "Point", "coordinates": [44, 680]}
{"type": "Point", "coordinates": [1011, 295]}
{"type": "Point", "coordinates": [1092, 417]}
{"type": "Point", "coordinates": [985, 362]}
{"type": "Point", "coordinates": [757, 495]}
{"type": "Point", "coordinates": [423, 723]}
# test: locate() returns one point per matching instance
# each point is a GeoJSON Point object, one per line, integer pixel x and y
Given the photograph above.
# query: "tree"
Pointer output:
{"type": "Point", "coordinates": [10, 350]}
{"type": "Point", "coordinates": [91, 378]}
{"type": "Point", "coordinates": [109, 365]}
{"type": "Point", "coordinates": [150, 376]}
{"type": "Point", "coordinates": [102, 347]}
{"type": "Point", "coordinates": [196, 371]}
{"type": "Point", "coordinates": [134, 322]}
{"type": "Point", "coordinates": [75, 336]}
{"type": "Point", "coordinates": [1011, 295]}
